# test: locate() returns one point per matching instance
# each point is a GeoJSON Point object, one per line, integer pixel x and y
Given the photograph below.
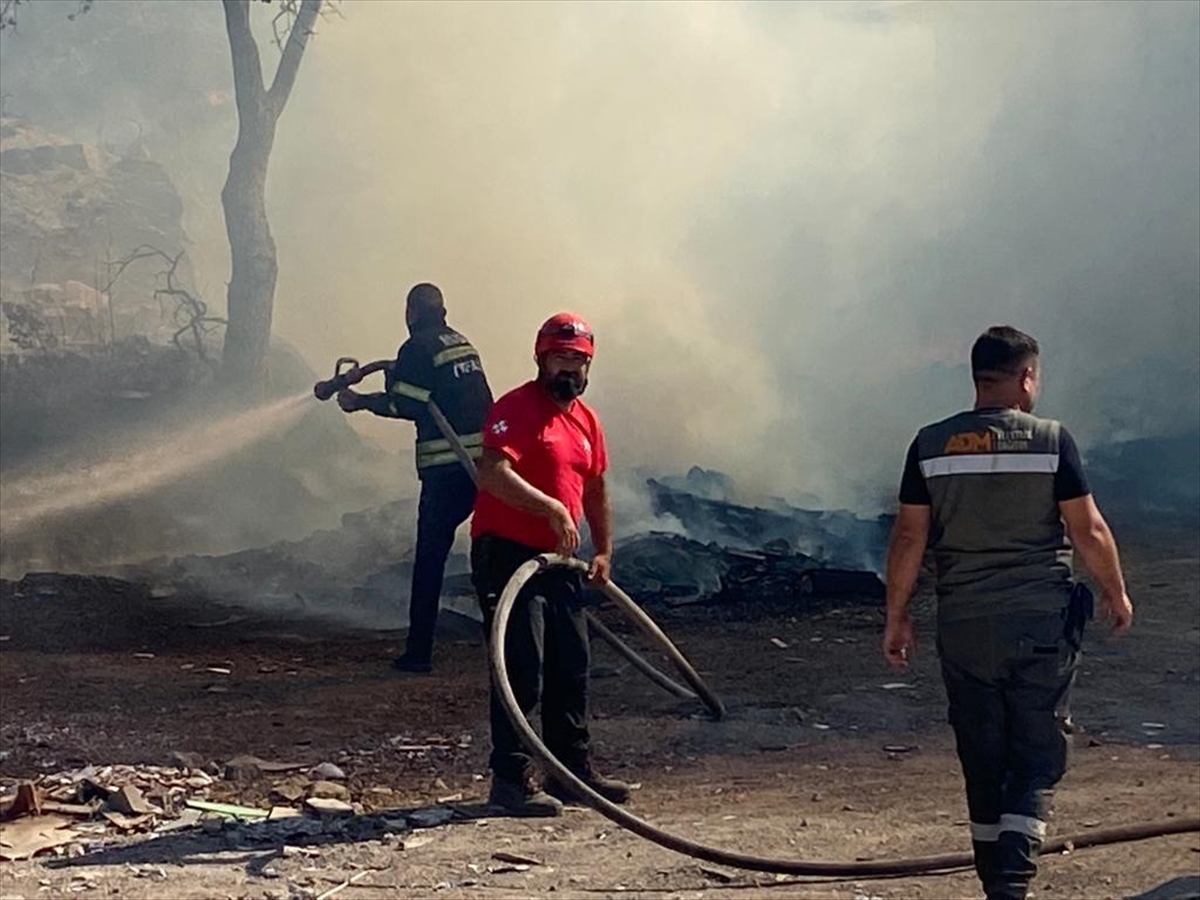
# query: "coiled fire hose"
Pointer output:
{"type": "Point", "coordinates": [642, 828]}
{"type": "Point", "coordinates": [631, 609]}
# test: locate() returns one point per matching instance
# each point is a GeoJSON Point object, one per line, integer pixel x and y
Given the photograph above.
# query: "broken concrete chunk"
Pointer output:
{"type": "Point", "coordinates": [187, 819]}
{"type": "Point", "coordinates": [328, 789]}
{"type": "Point", "coordinates": [290, 790]}
{"type": "Point", "coordinates": [130, 801]}
{"type": "Point", "coordinates": [326, 771]}
{"type": "Point", "coordinates": [127, 823]}
{"type": "Point", "coordinates": [247, 768]}
{"type": "Point", "coordinates": [417, 840]}
{"type": "Point", "coordinates": [185, 759]}
{"type": "Point", "coordinates": [328, 806]}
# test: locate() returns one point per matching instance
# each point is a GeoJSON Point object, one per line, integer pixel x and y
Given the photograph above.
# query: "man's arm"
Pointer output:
{"type": "Point", "coordinates": [1094, 542]}
{"type": "Point", "coordinates": [408, 387]}
{"type": "Point", "coordinates": [906, 551]}
{"type": "Point", "coordinates": [598, 511]}
{"type": "Point", "coordinates": [498, 477]}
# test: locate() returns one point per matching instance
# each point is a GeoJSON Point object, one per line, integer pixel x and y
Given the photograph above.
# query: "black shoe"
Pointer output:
{"type": "Point", "coordinates": [610, 789]}
{"type": "Point", "coordinates": [522, 798]}
{"type": "Point", "coordinates": [408, 663]}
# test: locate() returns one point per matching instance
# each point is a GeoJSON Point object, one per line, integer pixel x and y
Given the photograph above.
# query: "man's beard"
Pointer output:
{"type": "Point", "coordinates": [566, 386]}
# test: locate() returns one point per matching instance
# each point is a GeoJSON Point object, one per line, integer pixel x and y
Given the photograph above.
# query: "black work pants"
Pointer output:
{"type": "Point", "coordinates": [1008, 680]}
{"type": "Point", "coordinates": [447, 497]}
{"type": "Point", "coordinates": [546, 651]}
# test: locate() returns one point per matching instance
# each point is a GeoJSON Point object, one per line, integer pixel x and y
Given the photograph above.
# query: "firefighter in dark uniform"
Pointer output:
{"type": "Point", "coordinates": [435, 365]}
{"type": "Point", "coordinates": [996, 493]}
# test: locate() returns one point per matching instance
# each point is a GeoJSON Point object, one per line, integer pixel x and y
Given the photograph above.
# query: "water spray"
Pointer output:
{"type": "Point", "coordinates": [32, 499]}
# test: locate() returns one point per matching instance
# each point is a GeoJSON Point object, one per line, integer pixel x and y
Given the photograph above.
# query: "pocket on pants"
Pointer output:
{"type": "Point", "coordinates": [1045, 647]}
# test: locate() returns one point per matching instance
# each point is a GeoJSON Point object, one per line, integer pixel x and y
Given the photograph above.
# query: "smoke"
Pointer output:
{"type": "Point", "coordinates": [786, 222]}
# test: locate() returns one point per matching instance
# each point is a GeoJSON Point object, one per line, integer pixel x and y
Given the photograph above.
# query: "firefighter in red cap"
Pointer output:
{"type": "Point", "coordinates": [542, 470]}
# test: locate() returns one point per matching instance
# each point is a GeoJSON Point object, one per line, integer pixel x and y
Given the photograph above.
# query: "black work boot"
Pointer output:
{"type": "Point", "coordinates": [1016, 866]}
{"type": "Point", "coordinates": [985, 864]}
{"type": "Point", "coordinates": [610, 789]}
{"type": "Point", "coordinates": [522, 798]}
{"type": "Point", "coordinates": [419, 665]}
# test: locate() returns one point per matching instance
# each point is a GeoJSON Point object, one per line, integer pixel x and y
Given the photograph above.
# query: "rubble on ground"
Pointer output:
{"type": "Point", "coordinates": [76, 811]}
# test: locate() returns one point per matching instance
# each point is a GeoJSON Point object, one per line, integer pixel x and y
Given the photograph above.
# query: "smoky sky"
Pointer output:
{"type": "Point", "coordinates": [787, 222]}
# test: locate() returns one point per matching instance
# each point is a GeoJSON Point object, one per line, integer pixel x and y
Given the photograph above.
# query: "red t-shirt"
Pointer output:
{"type": "Point", "coordinates": [556, 451]}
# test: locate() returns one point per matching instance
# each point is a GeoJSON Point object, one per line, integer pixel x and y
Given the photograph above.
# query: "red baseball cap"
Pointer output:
{"type": "Point", "coordinates": [564, 332]}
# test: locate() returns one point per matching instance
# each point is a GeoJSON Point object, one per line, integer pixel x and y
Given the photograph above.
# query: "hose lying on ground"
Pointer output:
{"type": "Point", "coordinates": [666, 683]}
{"type": "Point", "coordinates": [642, 828]}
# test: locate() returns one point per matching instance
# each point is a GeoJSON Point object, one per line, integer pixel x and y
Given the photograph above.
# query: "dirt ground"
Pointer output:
{"type": "Point", "coordinates": [796, 770]}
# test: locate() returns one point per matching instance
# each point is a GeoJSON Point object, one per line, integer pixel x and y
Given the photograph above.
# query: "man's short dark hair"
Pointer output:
{"type": "Point", "coordinates": [1000, 351]}
{"type": "Point", "coordinates": [425, 298]}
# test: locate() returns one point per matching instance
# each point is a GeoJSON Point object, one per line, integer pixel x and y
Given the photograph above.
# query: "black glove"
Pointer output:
{"type": "Point", "coordinates": [349, 401]}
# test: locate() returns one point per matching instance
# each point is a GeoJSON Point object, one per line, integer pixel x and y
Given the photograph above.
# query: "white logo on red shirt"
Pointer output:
{"type": "Point", "coordinates": [500, 427]}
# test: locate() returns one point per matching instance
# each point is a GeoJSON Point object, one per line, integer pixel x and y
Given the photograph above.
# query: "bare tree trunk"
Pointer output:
{"type": "Point", "coordinates": [252, 249]}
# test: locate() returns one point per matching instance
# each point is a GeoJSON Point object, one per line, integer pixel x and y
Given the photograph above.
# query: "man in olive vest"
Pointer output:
{"type": "Point", "coordinates": [995, 492]}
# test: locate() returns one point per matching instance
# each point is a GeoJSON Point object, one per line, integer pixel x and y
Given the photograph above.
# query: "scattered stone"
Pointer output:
{"type": "Point", "coordinates": [248, 768]}
{"type": "Point", "coordinates": [328, 789]}
{"type": "Point", "coordinates": [130, 801]}
{"type": "Point", "coordinates": [516, 858]}
{"type": "Point", "coordinates": [187, 819]}
{"type": "Point", "coordinates": [326, 771]}
{"type": "Point", "coordinates": [289, 791]}
{"type": "Point", "coordinates": [290, 850]}
{"type": "Point", "coordinates": [126, 823]}
{"type": "Point", "coordinates": [328, 806]}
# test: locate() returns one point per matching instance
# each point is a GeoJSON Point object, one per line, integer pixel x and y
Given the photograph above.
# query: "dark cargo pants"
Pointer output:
{"type": "Point", "coordinates": [1008, 680]}
{"type": "Point", "coordinates": [546, 651]}
{"type": "Point", "coordinates": [447, 497]}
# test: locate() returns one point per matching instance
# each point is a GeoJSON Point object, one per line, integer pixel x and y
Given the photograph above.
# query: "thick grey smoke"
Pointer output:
{"type": "Point", "coordinates": [787, 222]}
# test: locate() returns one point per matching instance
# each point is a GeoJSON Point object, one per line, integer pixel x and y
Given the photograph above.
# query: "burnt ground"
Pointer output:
{"type": "Point", "coordinates": [797, 769]}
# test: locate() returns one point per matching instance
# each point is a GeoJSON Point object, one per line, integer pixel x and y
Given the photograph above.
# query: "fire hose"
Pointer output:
{"type": "Point", "coordinates": [642, 828]}
{"type": "Point", "coordinates": [354, 373]}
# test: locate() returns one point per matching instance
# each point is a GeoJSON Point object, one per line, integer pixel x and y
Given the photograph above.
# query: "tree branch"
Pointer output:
{"type": "Point", "coordinates": [289, 64]}
{"type": "Point", "coordinates": [247, 66]}
{"type": "Point", "coordinates": [190, 313]}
